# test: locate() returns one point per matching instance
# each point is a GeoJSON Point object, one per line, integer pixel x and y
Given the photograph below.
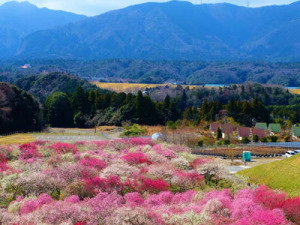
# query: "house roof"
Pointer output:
{"type": "Point", "coordinates": [259, 132]}
{"type": "Point", "coordinates": [296, 131]}
{"type": "Point", "coordinates": [227, 128]}
{"type": "Point", "coordinates": [275, 127]}
{"type": "Point", "coordinates": [261, 126]}
{"type": "Point", "coordinates": [244, 131]}
{"type": "Point", "coordinates": [214, 126]}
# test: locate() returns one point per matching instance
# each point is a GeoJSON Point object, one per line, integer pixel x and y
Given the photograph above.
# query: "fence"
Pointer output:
{"type": "Point", "coordinates": [236, 151]}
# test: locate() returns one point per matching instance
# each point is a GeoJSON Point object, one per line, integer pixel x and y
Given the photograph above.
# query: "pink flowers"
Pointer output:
{"type": "Point", "coordinates": [93, 162]}
{"type": "Point", "coordinates": [136, 158]}
{"type": "Point", "coordinates": [31, 205]}
{"type": "Point", "coordinates": [130, 181]}
{"type": "Point", "coordinates": [29, 152]}
{"type": "Point", "coordinates": [3, 165]}
{"type": "Point", "coordinates": [63, 148]}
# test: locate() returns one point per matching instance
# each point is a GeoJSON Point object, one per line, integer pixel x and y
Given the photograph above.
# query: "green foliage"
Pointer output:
{"type": "Point", "coordinates": [134, 130]}
{"type": "Point", "coordinates": [171, 125]}
{"type": "Point", "coordinates": [58, 111]}
{"type": "Point", "coordinates": [19, 111]}
{"type": "Point", "coordinates": [264, 139]}
{"type": "Point", "coordinates": [245, 140]}
{"type": "Point", "coordinates": [200, 143]}
{"type": "Point", "coordinates": [223, 142]}
{"type": "Point", "coordinates": [287, 138]}
{"type": "Point", "coordinates": [42, 86]}
{"type": "Point", "coordinates": [219, 133]}
{"type": "Point", "coordinates": [273, 138]}
{"type": "Point", "coordinates": [255, 138]}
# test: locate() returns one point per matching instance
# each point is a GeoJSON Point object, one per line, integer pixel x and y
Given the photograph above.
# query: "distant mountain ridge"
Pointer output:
{"type": "Point", "coordinates": [175, 30]}
{"type": "Point", "coordinates": [20, 19]}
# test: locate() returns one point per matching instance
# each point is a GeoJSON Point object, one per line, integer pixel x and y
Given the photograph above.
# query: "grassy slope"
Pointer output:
{"type": "Point", "coordinates": [283, 174]}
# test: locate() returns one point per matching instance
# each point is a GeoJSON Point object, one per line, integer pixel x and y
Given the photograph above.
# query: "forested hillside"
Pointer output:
{"type": "Point", "coordinates": [175, 30]}
{"type": "Point", "coordinates": [19, 111]}
{"type": "Point", "coordinates": [142, 71]}
{"type": "Point", "coordinates": [42, 86]}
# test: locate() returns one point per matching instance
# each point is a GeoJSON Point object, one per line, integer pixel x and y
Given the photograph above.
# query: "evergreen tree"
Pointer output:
{"type": "Point", "coordinates": [58, 110]}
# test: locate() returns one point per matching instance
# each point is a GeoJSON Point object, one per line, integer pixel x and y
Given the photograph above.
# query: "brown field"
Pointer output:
{"type": "Point", "coordinates": [295, 91]}
{"type": "Point", "coordinates": [17, 139]}
{"type": "Point", "coordinates": [131, 88]}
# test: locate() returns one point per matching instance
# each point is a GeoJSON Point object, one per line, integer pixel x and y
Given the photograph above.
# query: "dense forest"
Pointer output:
{"type": "Point", "coordinates": [142, 71]}
{"type": "Point", "coordinates": [19, 111]}
{"type": "Point", "coordinates": [244, 103]}
{"type": "Point", "coordinates": [62, 100]}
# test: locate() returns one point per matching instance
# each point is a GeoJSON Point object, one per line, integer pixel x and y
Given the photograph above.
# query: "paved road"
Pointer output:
{"type": "Point", "coordinates": [234, 169]}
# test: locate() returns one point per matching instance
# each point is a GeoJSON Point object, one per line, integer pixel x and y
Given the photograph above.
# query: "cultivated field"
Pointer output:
{"type": "Point", "coordinates": [295, 91]}
{"type": "Point", "coordinates": [131, 88]}
{"type": "Point", "coordinates": [17, 139]}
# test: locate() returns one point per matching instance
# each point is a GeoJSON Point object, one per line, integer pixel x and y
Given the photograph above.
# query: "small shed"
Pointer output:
{"type": "Point", "coordinates": [274, 128]}
{"type": "Point", "coordinates": [295, 132]}
{"type": "Point", "coordinates": [261, 126]}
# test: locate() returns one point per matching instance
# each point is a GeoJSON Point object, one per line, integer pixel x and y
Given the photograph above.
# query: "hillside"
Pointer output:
{"type": "Point", "coordinates": [145, 71]}
{"type": "Point", "coordinates": [43, 85]}
{"type": "Point", "coordinates": [283, 174]}
{"type": "Point", "coordinates": [19, 111]}
{"type": "Point", "coordinates": [175, 30]}
{"type": "Point", "coordinates": [20, 19]}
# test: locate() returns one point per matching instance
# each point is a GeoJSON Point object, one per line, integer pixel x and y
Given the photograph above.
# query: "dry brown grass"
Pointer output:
{"type": "Point", "coordinates": [17, 139]}
{"type": "Point", "coordinates": [130, 87]}
{"type": "Point", "coordinates": [105, 128]}
{"type": "Point", "coordinates": [152, 129]}
{"type": "Point", "coordinates": [295, 91]}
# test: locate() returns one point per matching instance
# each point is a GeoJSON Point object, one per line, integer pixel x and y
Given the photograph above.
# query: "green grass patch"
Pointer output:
{"type": "Point", "coordinates": [283, 174]}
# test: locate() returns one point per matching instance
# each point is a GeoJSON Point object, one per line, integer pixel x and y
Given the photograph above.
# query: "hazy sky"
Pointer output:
{"type": "Point", "coordinates": [95, 7]}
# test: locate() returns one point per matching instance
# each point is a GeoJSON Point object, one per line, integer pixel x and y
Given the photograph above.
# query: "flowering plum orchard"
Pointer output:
{"type": "Point", "coordinates": [129, 181]}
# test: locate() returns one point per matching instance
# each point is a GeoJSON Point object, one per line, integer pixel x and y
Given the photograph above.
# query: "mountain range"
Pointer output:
{"type": "Point", "coordinates": [17, 20]}
{"type": "Point", "coordinates": [174, 30]}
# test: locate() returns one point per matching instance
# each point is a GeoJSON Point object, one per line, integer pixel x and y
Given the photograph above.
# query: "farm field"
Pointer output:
{"type": "Point", "coordinates": [65, 135]}
{"type": "Point", "coordinates": [17, 139]}
{"type": "Point", "coordinates": [137, 180]}
{"type": "Point", "coordinates": [283, 174]}
{"type": "Point", "coordinates": [133, 87]}
{"type": "Point", "coordinates": [295, 91]}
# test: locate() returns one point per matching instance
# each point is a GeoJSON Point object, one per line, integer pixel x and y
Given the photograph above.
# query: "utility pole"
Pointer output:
{"type": "Point", "coordinates": [248, 3]}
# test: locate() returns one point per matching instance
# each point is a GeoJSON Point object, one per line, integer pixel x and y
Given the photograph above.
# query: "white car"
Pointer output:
{"type": "Point", "coordinates": [289, 154]}
{"type": "Point", "coordinates": [297, 151]}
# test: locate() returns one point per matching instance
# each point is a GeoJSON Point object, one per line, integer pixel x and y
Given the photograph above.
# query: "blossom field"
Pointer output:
{"type": "Point", "coordinates": [129, 181]}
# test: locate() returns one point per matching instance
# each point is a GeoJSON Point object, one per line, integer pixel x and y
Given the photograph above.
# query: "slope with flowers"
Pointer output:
{"type": "Point", "coordinates": [129, 181]}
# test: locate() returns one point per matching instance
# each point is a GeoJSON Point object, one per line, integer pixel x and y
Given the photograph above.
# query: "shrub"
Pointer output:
{"type": "Point", "coordinates": [255, 138]}
{"type": "Point", "coordinates": [291, 208]}
{"type": "Point", "coordinates": [134, 130]}
{"type": "Point", "coordinates": [93, 162]}
{"type": "Point", "coordinates": [245, 140]}
{"type": "Point", "coordinates": [136, 158]}
{"type": "Point", "coordinates": [63, 148]}
{"type": "Point", "coordinates": [264, 139]}
{"type": "Point", "coordinates": [273, 138]}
